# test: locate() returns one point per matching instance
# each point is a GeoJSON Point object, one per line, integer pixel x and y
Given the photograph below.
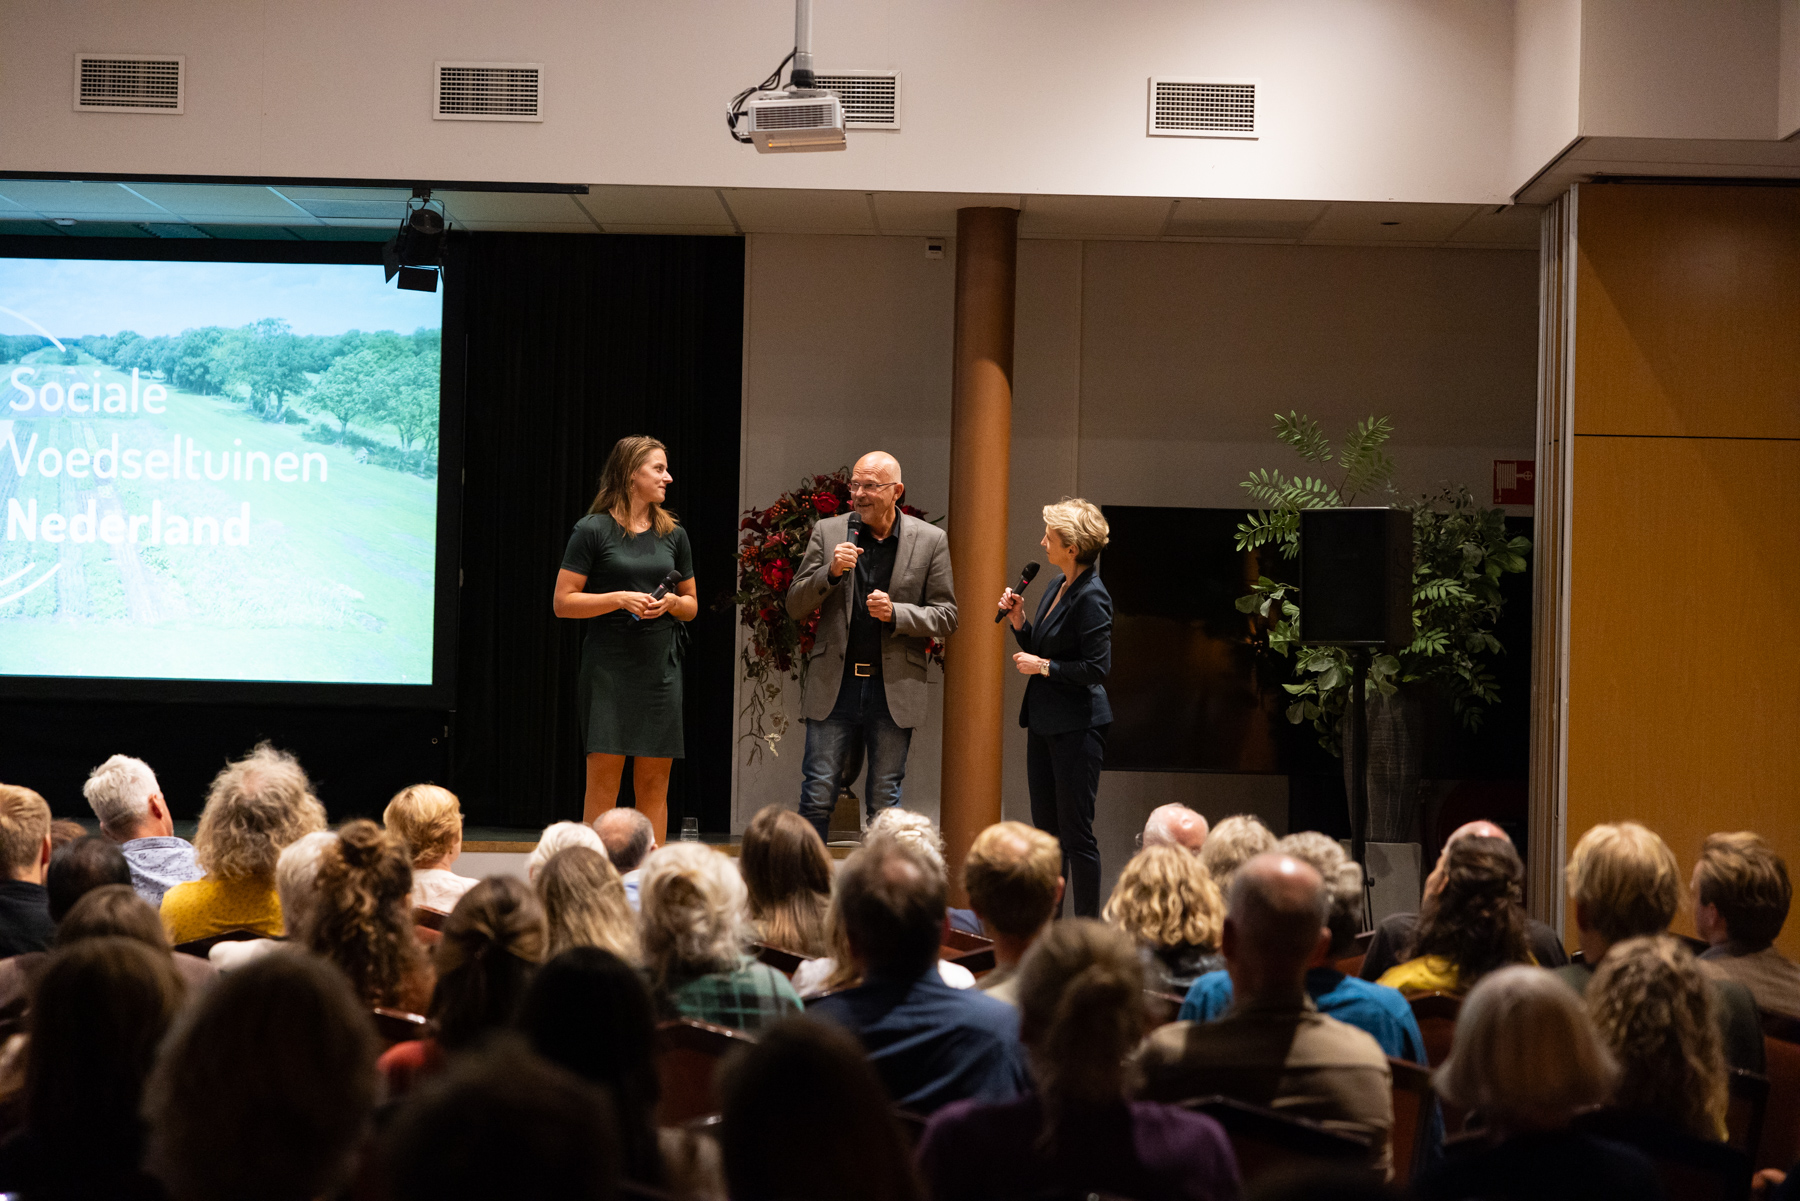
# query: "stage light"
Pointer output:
{"type": "Point", "coordinates": [418, 279]}
{"type": "Point", "coordinates": [416, 252]}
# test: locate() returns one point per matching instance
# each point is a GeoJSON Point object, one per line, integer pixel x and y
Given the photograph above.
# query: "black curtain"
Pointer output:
{"type": "Point", "coordinates": [574, 342]}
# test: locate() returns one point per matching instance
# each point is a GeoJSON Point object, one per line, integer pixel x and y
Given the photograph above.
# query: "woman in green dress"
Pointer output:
{"type": "Point", "coordinates": [630, 682]}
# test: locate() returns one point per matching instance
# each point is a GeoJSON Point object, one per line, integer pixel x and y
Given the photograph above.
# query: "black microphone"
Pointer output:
{"type": "Point", "coordinates": [669, 581]}
{"type": "Point", "coordinates": [856, 529]}
{"type": "Point", "coordinates": [1025, 578]}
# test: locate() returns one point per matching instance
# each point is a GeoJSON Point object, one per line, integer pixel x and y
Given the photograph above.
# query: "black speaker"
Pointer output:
{"type": "Point", "coordinates": [1356, 577]}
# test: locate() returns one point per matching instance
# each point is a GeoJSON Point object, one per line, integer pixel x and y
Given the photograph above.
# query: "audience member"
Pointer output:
{"type": "Point", "coordinates": [787, 871]}
{"type": "Point", "coordinates": [102, 1006]}
{"type": "Point", "coordinates": [63, 831]}
{"type": "Point", "coordinates": [1167, 901]}
{"type": "Point", "coordinates": [1081, 1015]}
{"type": "Point", "coordinates": [77, 868]}
{"type": "Point", "coordinates": [1274, 1048]}
{"type": "Point", "coordinates": [816, 977]}
{"type": "Point", "coordinates": [1475, 923]}
{"type": "Point", "coordinates": [931, 1044]}
{"type": "Point", "coordinates": [584, 904]}
{"type": "Point", "coordinates": [504, 1123]}
{"type": "Point", "coordinates": [910, 826]}
{"type": "Point", "coordinates": [588, 1011]}
{"type": "Point", "coordinates": [1741, 898]}
{"type": "Point", "coordinates": [1174, 825]}
{"type": "Point", "coordinates": [1375, 1008]}
{"type": "Point", "coordinates": [1652, 1008]}
{"type": "Point", "coordinates": [1013, 875]}
{"type": "Point", "coordinates": [25, 923]}
{"type": "Point", "coordinates": [800, 1065]}
{"type": "Point", "coordinates": [429, 820]}
{"type": "Point", "coordinates": [1234, 842]}
{"type": "Point", "coordinates": [1394, 933]}
{"type": "Point", "coordinates": [296, 871]}
{"type": "Point", "coordinates": [629, 838]}
{"type": "Point", "coordinates": [255, 807]}
{"type": "Point", "coordinates": [361, 917]}
{"type": "Point", "coordinates": [493, 941]}
{"type": "Point", "coordinates": [127, 800]}
{"type": "Point", "coordinates": [265, 1088]}
{"type": "Point", "coordinates": [1526, 1057]}
{"type": "Point", "coordinates": [694, 934]}
{"type": "Point", "coordinates": [556, 837]}
{"type": "Point", "coordinates": [117, 911]}
{"type": "Point", "coordinates": [1624, 883]}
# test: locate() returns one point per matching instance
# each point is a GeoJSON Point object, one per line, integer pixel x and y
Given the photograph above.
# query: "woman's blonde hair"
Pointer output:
{"type": "Point", "coordinates": [428, 819]}
{"type": "Point", "coordinates": [694, 921]}
{"type": "Point", "coordinates": [1526, 1053]}
{"type": "Point", "coordinates": [584, 902]}
{"type": "Point", "coordinates": [614, 497]}
{"type": "Point", "coordinates": [361, 915]}
{"type": "Point", "coordinates": [1165, 898]}
{"type": "Point", "coordinates": [1655, 1011]}
{"type": "Point", "coordinates": [255, 807]}
{"type": "Point", "coordinates": [1625, 879]}
{"type": "Point", "coordinates": [1081, 1012]}
{"type": "Point", "coordinates": [1081, 527]}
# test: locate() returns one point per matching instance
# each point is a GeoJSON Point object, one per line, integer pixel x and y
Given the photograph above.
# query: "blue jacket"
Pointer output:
{"type": "Point", "coordinates": [1077, 639]}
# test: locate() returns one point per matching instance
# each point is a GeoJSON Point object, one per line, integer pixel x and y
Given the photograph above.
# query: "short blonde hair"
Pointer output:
{"type": "Point", "coordinates": [1626, 880]}
{"type": "Point", "coordinates": [695, 913]}
{"type": "Point", "coordinates": [1081, 527]}
{"type": "Point", "coordinates": [255, 807]}
{"type": "Point", "coordinates": [1235, 841]}
{"type": "Point", "coordinates": [1165, 898]}
{"type": "Point", "coordinates": [1526, 1052]}
{"type": "Point", "coordinates": [24, 824]}
{"type": "Point", "coordinates": [428, 819]}
{"type": "Point", "coordinates": [1748, 882]}
{"type": "Point", "coordinates": [1010, 875]}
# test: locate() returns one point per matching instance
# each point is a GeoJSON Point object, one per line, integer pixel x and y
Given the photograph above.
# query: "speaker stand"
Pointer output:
{"type": "Point", "coordinates": [1356, 757]}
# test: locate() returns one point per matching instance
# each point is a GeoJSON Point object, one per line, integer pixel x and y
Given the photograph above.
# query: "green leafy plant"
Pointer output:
{"type": "Point", "coordinates": [1460, 552]}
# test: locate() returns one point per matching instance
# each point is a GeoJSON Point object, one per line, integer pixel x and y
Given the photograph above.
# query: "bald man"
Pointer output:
{"type": "Point", "coordinates": [880, 582]}
{"type": "Point", "coordinates": [1394, 933]}
{"type": "Point", "coordinates": [1174, 825]}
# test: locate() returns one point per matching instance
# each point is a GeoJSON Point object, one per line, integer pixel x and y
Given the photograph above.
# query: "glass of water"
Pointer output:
{"type": "Point", "coordinates": [690, 829]}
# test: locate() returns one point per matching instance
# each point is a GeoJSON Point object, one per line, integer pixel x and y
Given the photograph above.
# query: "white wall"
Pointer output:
{"type": "Point", "coordinates": [1788, 90]}
{"type": "Point", "coordinates": [1546, 84]}
{"type": "Point", "coordinates": [1680, 68]}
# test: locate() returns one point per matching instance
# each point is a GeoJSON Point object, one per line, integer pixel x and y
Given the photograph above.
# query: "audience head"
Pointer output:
{"type": "Point", "coordinates": [63, 832]}
{"type": "Point", "coordinates": [694, 918]}
{"type": "Point", "coordinates": [559, 836]}
{"type": "Point", "coordinates": [428, 819]}
{"type": "Point", "coordinates": [890, 901]}
{"type": "Point", "coordinates": [1166, 898]}
{"type": "Point", "coordinates": [1081, 1011]}
{"type": "Point", "coordinates": [1624, 882]}
{"type": "Point", "coordinates": [909, 827]}
{"type": "Point", "coordinates": [1174, 825]}
{"type": "Point", "coordinates": [361, 917]}
{"type": "Point", "coordinates": [265, 1087]}
{"type": "Point", "coordinates": [1343, 885]}
{"type": "Point", "coordinates": [99, 1010]}
{"type": "Point", "coordinates": [255, 807]}
{"type": "Point", "coordinates": [1274, 927]}
{"type": "Point", "coordinates": [1525, 1053]}
{"type": "Point", "coordinates": [127, 800]}
{"type": "Point", "coordinates": [1234, 842]}
{"type": "Point", "coordinates": [584, 904]}
{"type": "Point", "coordinates": [493, 940]}
{"type": "Point", "coordinates": [787, 872]}
{"type": "Point", "coordinates": [588, 1011]}
{"type": "Point", "coordinates": [79, 867]}
{"type": "Point", "coordinates": [113, 911]}
{"type": "Point", "coordinates": [1653, 1009]}
{"type": "Point", "coordinates": [502, 1122]}
{"type": "Point", "coordinates": [802, 1065]}
{"type": "Point", "coordinates": [1013, 875]}
{"type": "Point", "coordinates": [1477, 920]}
{"type": "Point", "coordinates": [1480, 828]}
{"type": "Point", "coordinates": [296, 879]}
{"type": "Point", "coordinates": [1741, 891]}
{"type": "Point", "coordinates": [24, 834]}
{"type": "Point", "coordinates": [627, 836]}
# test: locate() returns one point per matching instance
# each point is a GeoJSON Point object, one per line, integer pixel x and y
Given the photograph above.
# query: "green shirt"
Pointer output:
{"type": "Point", "coordinates": [747, 998]}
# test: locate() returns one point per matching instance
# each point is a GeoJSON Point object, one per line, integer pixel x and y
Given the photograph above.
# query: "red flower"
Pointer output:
{"type": "Point", "coordinates": [825, 503]}
{"type": "Point", "coordinates": [777, 576]}
{"type": "Point", "coordinates": [768, 616]}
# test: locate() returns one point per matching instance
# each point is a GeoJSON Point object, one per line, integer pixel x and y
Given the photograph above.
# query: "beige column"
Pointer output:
{"type": "Point", "coordinates": [980, 463]}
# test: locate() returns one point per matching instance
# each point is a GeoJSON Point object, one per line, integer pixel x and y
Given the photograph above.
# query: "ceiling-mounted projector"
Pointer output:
{"type": "Point", "coordinates": [797, 117]}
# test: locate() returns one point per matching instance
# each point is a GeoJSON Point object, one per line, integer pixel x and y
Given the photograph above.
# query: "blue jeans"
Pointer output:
{"type": "Point", "coordinates": [861, 714]}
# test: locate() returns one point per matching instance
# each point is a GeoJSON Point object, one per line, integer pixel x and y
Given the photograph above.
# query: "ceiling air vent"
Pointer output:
{"type": "Point", "coordinates": [871, 98]}
{"type": "Point", "coordinates": [129, 83]}
{"type": "Point", "coordinates": [1202, 108]}
{"type": "Point", "coordinates": [488, 92]}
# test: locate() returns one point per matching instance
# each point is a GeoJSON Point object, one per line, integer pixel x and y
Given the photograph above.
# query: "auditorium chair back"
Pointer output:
{"type": "Point", "coordinates": [1780, 1146]}
{"type": "Point", "coordinates": [1264, 1140]}
{"type": "Point", "coordinates": [1414, 1126]}
{"type": "Point", "coordinates": [688, 1054]}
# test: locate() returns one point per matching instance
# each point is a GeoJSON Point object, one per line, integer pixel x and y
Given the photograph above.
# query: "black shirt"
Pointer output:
{"type": "Point", "coordinates": [25, 923]}
{"type": "Point", "coordinates": [874, 573]}
{"type": "Point", "coordinates": [1544, 1167]}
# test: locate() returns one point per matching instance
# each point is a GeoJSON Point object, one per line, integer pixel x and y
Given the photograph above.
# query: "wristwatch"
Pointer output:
{"type": "Point", "coordinates": [1044, 669]}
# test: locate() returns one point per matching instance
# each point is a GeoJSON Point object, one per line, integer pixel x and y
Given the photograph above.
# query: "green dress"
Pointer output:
{"type": "Point", "coordinates": [629, 687]}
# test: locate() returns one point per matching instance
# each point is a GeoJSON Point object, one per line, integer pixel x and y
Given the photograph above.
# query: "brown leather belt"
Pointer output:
{"type": "Point", "coordinates": [864, 669]}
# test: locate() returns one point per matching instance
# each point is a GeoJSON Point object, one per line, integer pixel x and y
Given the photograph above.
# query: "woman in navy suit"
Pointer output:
{"type": "Point", "coordinates": [1067, 651]}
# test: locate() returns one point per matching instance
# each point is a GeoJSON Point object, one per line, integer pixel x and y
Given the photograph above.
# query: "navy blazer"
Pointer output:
{"type": "Point", "coordinates": [1077, 639]}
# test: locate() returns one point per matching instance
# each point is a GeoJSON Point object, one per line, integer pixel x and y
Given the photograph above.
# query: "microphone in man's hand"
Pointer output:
{"type": "Point", "coordinates": [1025, 578]}
{"type": "Point", "coordinates": [855, 525]}
{"type": "Point", "coordinates": [669, 581]}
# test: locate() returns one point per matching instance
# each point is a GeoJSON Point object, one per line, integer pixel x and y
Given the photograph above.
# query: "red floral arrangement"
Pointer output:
{"type": "Point", "coordinates": [770, 547]}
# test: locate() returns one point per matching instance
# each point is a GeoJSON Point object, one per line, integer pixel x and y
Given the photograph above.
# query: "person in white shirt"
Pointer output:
{"type": "Point", "coordinates": [296, 873]}
{"type": "Point", "coordinates": [429, 819]}
{"type": "Point", "coordinates": [629, 839]}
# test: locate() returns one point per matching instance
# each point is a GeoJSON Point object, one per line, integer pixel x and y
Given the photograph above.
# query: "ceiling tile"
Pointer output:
{"type": "Point", "coordinates": [931, 212]}
{"type": "Point", "coordinates": [59, 199]}
{"type": "Point", "coordinates": [8, 206]}
{"type": "Point", "coordinates": [105, 229]}
{"type": "Point", "coordinates": [614, 204]}
{"type": "Point", "coordinates": [531, 227]}
{"type": "Point", "coordinates": [1365, 223]}
{"type": "Point", "coordinates": [298, 192]}
{"type": "Point", "coordinates": [338, 233]}
{"type": "Point", "coordinates": [708, 231]}
{"type": "Point", "coordinates": [467, 208]}
{"type": "Point", "coordinates": [220, 202]}
{"type": "Point", "coordinates": [238, 232]}
{"type": "Point", "coordinates": [389, 211]}
{"type": "Point", "coordinates": [1258, 220]}
{"type": "Point", "coordinates": [1093, 216]}
{"type": "Point", "coordinates": [1512, 225]}
{"type": "Point", "coordinates": [29, 229]}
{"type": "Point", "coordinates": [791, 211]}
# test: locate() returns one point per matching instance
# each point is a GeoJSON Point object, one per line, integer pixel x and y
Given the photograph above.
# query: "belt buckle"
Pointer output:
{"type": "Point", "coordinates": [864, 670]}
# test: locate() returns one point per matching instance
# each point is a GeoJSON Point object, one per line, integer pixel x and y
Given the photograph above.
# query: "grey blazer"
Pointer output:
{"type": "Point", "coordinates": [924, 608]}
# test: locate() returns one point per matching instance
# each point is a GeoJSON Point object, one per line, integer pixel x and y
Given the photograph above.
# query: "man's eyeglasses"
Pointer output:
{"type": "Point", "coordinates": [857, 487]}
